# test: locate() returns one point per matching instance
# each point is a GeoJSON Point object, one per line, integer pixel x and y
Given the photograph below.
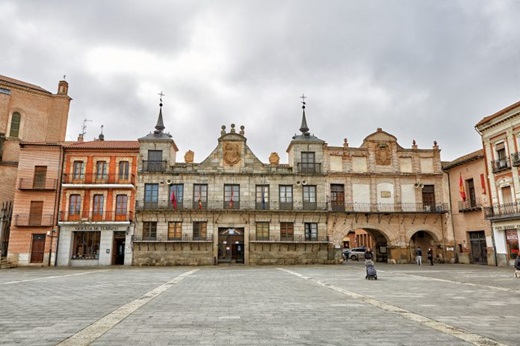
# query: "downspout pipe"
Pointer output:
{"type": "Point", "coordinates": [58, 200]}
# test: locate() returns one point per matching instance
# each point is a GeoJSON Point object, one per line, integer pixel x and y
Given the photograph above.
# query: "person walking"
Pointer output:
{"type": "Point", "coordinates": [430, 255]}
{"type": "Point", "coordinates": [418, 256]}
{"type": "Point", "coordinates": [368, 254]}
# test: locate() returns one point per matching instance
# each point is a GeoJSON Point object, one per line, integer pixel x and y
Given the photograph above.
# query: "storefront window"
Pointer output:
{"type": "Point", "coordinates": [86, 245]}
{"type": "Point", "coordinates": [512, 243]}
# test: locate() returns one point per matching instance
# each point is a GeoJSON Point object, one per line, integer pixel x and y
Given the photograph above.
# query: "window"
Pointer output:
{"type": "Point", "coordinates": [176, 196]}
{"type": "Point", "coordinates": [200, 196]}
{"type": "Point", "coordinates": [287, 231]}
{"type": "Point", "coordinates": [151, 196]}
{"type": "Point", "coordinates": [311, 231]}
{"type": "Point", "coordinates": [428, 197]}
{"type": "Point", "coordinates": [262, 231]}
{"type": "Point", "coordinates": [77, 170]}
{"type": "Point", "coordinates": [101, 170]}
{"type": "Point", "coordinates": [308, 162]}
{"type": "Point", "coordinates": [149, 230]}
{"type": "Point", "coordinates": [74, 205]}
{"type": "Point", "coordinates": [16, 119]}
{"type": "Point", "coordinates": [175, 230]}
{"type": "Point", "coordinates": [155, 161]}
{"type": "Point", "coordinates": [97, 210]}
{"type": "Point", "coordinates": [124, 170]}
{"type": "Point", "coordinates": [199, 230]}
{"type": "Point", "coordinates": [231, 196]}
{"type": "Point", "coordinates": [286, 197]}
{"type": "Point", "coordinates": [262, 197]}
{"type": "Point", "coordinates": [35, 214]}
{"type": "Point", "coordinates": [471, 193]}
{"type": "Point", "coordinates": [309, 197]}
{"type": "Point", "coordinates": [337, 197]}
{"type": "Point", "coordinates": [40, 174]}
{"type": "Point", "coordinates": [121, 205]}
{"type": "Point", "coordinates": [86, 245]}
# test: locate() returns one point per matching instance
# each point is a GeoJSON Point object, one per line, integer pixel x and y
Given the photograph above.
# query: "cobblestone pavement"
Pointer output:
{"type": "Point", "coordinates": [236, 305]}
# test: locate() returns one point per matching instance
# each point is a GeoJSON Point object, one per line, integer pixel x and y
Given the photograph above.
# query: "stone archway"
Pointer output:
{"type": "Point", "coordinates": [375, 239]}
{"type": "Point", "coordinates": [425, 240]}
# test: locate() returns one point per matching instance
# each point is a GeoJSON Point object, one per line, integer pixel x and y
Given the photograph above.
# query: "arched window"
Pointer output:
{"type": "Point", "coordinates": [15, 125]}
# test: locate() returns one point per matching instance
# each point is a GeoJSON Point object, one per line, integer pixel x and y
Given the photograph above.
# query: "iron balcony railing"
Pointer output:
{"type": "Point", "coordinates": [158, 205]}
{"type": "Point", "coordinates": [515, 159]}
{"type": "Point", "coordinates": [96, 216]}
{"type": "Point", "coordinates": [300, 238]}
{"type": "Point", "coordinates": [37, 184]}
{"type": "Point", "coordinates": [500, 165]}
{"type": "Point", "coordinates": [468, 205]}
{"type": "Point", "coordinates": [34, 220]}
{"type": "Point", "coordinates": [160, 238]}
{"type": "Point", "coordinates": [396, 208]}
{"type": "Point", "coordinates": [304, 167]}
{"type": "Point", "coordinates": [95, 178]}
{"type": "Point", "coordinates": [154, 166]}
{"type": "Point", "coordinates": [502, 210]}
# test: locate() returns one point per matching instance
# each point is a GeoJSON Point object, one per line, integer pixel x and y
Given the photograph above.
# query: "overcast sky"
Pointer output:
{"type": "Point", "coordinates": [427, 70]}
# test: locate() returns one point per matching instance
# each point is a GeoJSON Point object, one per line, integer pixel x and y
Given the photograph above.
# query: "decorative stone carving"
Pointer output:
{"type": "Point", "coordinates": [274, 159]}
{"type": "Point", "coordinates": [231, 153]}
{"type": "Point", "coordinates": [383, 155]}
{"type": "Point", "coordinates": [189, 156]}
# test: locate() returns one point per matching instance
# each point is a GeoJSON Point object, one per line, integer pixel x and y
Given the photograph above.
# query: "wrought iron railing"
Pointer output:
{"type": "Point", "coordinates": [468, 206]}
{"type": "Point", "coordinates": [96, 216]}
{"type": "Point", "coordinates": [95, 178]}
{"type": "Point", "coordinates": [515, 159]}
{"type": "Point", "coordinates": [37, 184]}
{"type": "Point", "coordinates": [300, 238]}
{"type": "Point", "coordinates": [162, 204]}
{"type": "Point", "coordinates": [161, 238]}
{"type": "Point", "coordinates": [154, 166]}
{"type": "Point", "coordinates": [34, 220]}
{"type": "Point", "coordinates": [396, 207]}
{"type": "Point", "coordinates": [500, 165]}
{"type": "Point", "coordinates": [304, 167]}
{"type": "Point", "coordinates": [502, 210]}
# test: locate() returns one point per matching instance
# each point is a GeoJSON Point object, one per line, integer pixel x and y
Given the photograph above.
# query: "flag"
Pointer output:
{"type": "Point", "coordinates": [461, 189]}
{"type": "Point", "coordinates": [173, 200]}
{"type": "Point", "coordinates": [200, 202]}
{"type": "Point", "coordinates": [231, 198]}
{"type": "Point", "coordinates": [483, 184]}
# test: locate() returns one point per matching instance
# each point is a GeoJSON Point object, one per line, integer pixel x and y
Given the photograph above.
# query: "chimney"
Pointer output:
{"type": "Point", "coordinates": [80, 138]}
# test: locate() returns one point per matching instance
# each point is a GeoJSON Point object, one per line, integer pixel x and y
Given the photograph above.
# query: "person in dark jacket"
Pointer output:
{"type": "Point", "coordinates": [517, 263]}
{"type": "Point", "coordinates": [430, 255]}
{"type": "Point", "coordinates": [368, 254]}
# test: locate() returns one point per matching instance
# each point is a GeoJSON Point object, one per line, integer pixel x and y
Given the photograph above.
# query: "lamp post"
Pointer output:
{"type": "Point", "coordinates": [50, 234]}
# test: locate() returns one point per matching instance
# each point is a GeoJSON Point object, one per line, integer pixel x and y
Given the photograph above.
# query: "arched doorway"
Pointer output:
{"type": "Point", "coordinates": [367, 237]}
{"type": "Point", "coordinates": [425, 240]}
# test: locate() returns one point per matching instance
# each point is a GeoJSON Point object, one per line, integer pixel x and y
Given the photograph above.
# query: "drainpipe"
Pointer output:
{"type": "Point", "coordinates": [58, 201]}
{"type": "Point", "coordinates": [452, 224]}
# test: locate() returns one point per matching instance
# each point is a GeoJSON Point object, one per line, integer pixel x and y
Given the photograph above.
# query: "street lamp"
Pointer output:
{"type": "Point", "coordinates": [52, 235]}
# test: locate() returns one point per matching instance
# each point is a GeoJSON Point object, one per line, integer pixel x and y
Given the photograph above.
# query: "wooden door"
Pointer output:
{"type": "Point", "coordinates": [37, 248]}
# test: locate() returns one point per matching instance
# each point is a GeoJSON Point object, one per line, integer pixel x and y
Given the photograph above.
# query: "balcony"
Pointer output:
{"type": "Point", "coordinates": [37, 184]}
{"type": "Point", "coordinates": [94, 178]}
{"type": "Point", "coordinates": [467, 206]}
{"type": "Point", "coordinates": [309, 168]}
{"type": "Point", "coordinates": [515, 159]}
{"type": "Point", "coordinates": [184, 238]}
{"type": "Point", "coordinates": [96, 216]}
{"type": "Point", "coordinates": [31, 220]}
{"type": "Point", "coordinates": [154, 166]}
{"type": "Point", "coordinates": [160, 205]}
{"type": "Point", "coordinates": [396, 208]}
{"type": "Point", "coordinates": [502, 210]}
{"type": "Point", "coordinates": [275, 238]}
{"type": "Point", "coordinates": [500, 165]}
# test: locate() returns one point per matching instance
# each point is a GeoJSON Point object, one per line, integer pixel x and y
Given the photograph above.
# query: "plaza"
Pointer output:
{"type": "Point", "coordinates": [446, 304]}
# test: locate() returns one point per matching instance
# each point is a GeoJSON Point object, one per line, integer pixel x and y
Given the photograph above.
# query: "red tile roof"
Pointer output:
{"type": "Point", "coordinates": [17, 82]}
{"type": "Point", "coordinates": [497, 114]}
{"type": "Point", "coordinates": [104, 145]}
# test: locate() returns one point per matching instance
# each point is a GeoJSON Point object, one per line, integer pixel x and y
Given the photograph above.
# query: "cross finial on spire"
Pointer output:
{"type": "Point", "coordinates": [161, 94]}
{"type": "Point", "coordinates": [64, 77]}
{"type": "Point", "coordinates": [303, 97]}
{"type": "Point", "coordinates": [304, 128]}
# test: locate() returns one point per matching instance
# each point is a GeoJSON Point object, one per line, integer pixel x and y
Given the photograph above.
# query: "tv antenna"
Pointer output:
{"type": "Point", "coordinates": [84, 127]}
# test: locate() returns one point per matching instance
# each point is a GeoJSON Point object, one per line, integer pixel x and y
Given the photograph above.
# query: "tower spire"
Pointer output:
{"type": "Point", "coordinates": [304, 128]}
{"type": "Point", "coordinates": [160, 124]}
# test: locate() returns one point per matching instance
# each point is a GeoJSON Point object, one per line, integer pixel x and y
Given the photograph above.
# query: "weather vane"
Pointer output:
{"type": "Point", "coordinates": [303, 97]}
{"type": "Point", "coordinates": [161, 94]}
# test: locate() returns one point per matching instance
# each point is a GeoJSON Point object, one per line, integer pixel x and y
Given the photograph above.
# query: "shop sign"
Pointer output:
{"type": "Point", "coordinates": [512, 234]}
{"type": "Point", "coordinates": [96, 228]}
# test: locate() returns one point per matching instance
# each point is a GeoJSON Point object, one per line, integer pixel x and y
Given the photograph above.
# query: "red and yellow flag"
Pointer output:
{"type": "Point", "coordinates": [461, 189]}
{"type": "Point", "coordinates": [173, 200]}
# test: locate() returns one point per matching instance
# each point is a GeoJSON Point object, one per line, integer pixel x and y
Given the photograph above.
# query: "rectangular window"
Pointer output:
{"type": "Point", "coordinates": [101, 170]}
{"type": "Point", "coordinates": [199, 230]}
{"type": "Point", "coordinates": [428, 197]}
{"type": "Point", "coordinates": [337, 197]}
{"type": "Point", "coordinates": [155, 161]}
{"type": "Point", "coordinates": [308, 162]}
{"type": "Point", "coordinates": [231, 196]}
{"type": "Point", "coordinates": [262, 231]}
{"type": "Point", "coordinates": [40, 175]}
{"type": "Point", "coordinates": [287, 231]}
{"type": "Point", "coordinates": [98, 207]}
{"type": "Point", "coordinates": [35, 213]}
{"type": "Point", "coordinates": [286, 197]}
{"type": "Point", "coordinates": [471, 193]}
{"type": "Point", "coordinates": [124, 170]}
{"type": "Point", "coordinates": [262, 197]}
{"type": "Point", "coordinates": [77, 170]}
{"type": "Point", "coordinates": [86, 245]}
{"type": "Point", "coordinates": [16, 119]}
{"type": "Point", "coordinates": [151, 196]}
{"type": "Point", "coordinates": [309, 197]}
{"type": "Point", "coordinates": [311, 231]}
{"type": "Point", "coordinates": [149, 230]}
{"type": "Point", "coordinates": [176, 196]}
{"type": "Point", "coordinates": [200, 196]}
{"type": "Point", "coordinates": [175, 230]}
{"type": "Point", "coordinates": [74, 205]}
{"type": "Point", "coordinates": [121, 205]}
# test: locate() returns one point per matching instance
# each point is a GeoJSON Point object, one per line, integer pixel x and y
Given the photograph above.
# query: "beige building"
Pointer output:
{"type": "Point", "coordinates": [28, 113]}
{"type": "Point", "coordinates": [466, 184]}
{"type": "Point", "coordinates": [501, 141]}
{"type": "Point", "coordinates": [233, 208]}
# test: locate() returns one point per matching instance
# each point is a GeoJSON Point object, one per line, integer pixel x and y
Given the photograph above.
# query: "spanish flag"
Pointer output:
{"type": "Point", "coordinates": [231, 199]}
{"type": "Point", "coordinates": [461, 188]}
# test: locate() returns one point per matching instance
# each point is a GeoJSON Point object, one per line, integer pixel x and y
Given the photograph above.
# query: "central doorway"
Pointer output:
{"type": "Point", "coordinates": [230, 245]}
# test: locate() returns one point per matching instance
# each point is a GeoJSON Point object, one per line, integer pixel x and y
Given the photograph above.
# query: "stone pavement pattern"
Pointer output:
{"type": "Point", "coordinates": [238, 305]}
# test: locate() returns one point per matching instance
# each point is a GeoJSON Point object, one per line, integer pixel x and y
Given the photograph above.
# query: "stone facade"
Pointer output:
{"type": "Point", "coordinates": [233, 208]}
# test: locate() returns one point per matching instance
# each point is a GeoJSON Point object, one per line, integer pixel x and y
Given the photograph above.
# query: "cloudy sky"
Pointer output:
{"type": "Point", "coordinates": [427, 70]}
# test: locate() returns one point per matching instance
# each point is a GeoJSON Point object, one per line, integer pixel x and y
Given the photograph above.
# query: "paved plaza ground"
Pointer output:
{"type": "Point", "coordinates": [447, 304]}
